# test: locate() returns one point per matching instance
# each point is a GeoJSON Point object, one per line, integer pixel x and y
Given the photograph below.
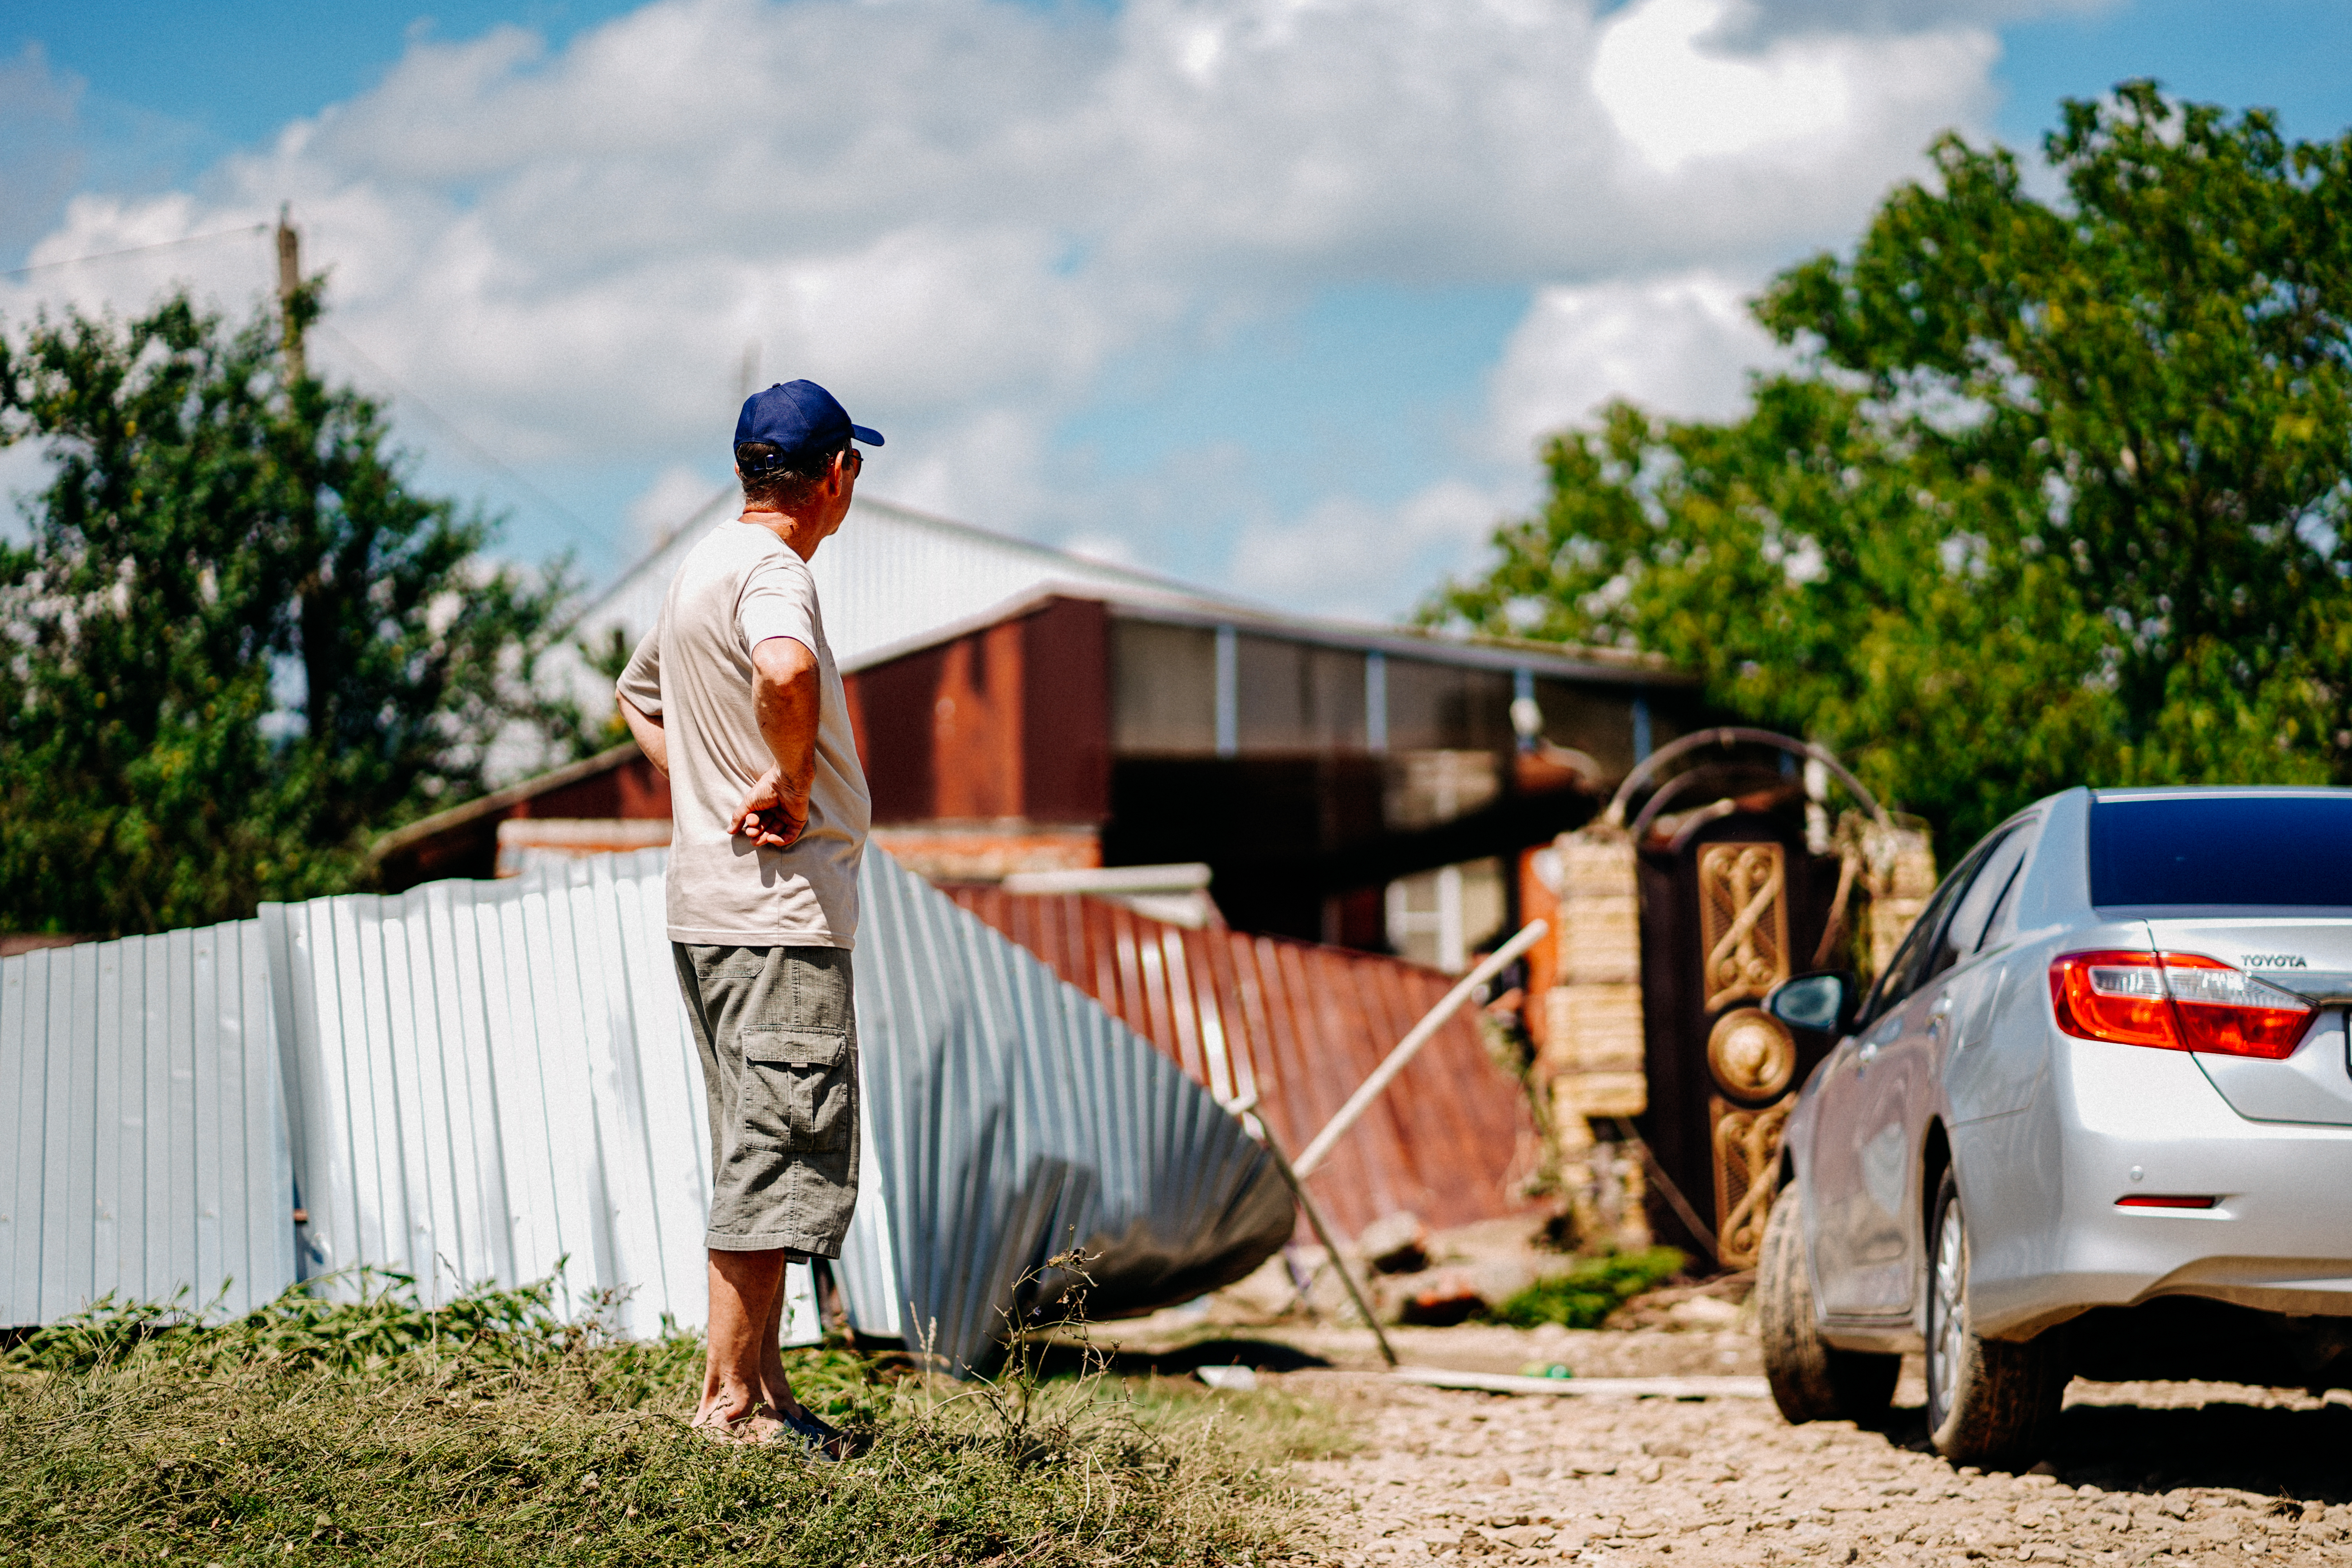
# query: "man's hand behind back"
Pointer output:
{"type": "Point", "coordinates": [766, 817]}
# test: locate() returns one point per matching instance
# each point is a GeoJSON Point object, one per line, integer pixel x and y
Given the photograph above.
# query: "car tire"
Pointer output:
{"type": "Point", "coordinates": [1992, 1403]}
{"type": "Point", "coordinates": [1811, 1380]}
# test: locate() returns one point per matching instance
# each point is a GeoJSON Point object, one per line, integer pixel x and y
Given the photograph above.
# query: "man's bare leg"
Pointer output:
{"type": "Point", "coordinates": [777, 1389]}
{"type": "Point", "coordinates": [774, 1386]}
{"type": "Point", "coordinates": [746, 1291]}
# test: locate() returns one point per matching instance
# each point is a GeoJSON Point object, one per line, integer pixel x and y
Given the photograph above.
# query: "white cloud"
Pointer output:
{"type": "Point", "coordinates": [958, 213]}
{"type": "Point", "coordinates": [1675, 99]}
{"type": "Point", "coordinates": [1681, 345]}
{"type": "Point", "coordinates": [1350, 559]}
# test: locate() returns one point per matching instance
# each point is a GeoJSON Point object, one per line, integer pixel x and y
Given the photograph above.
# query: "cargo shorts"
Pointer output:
{"type": "Point", "coordinates": [777, 1028]}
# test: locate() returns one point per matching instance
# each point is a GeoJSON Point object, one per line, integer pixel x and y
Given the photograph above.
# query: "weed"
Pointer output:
{"type": "Point", "coordinates": [310, 1325]}
{"type": "Point", "coordinates": [487, 1431]}
{"type": "Point", "coordinates": [1583, 1296]}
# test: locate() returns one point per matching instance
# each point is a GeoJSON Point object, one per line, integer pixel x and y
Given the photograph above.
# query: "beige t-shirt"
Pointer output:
{"type": "Point", "coordinates": [739, 587]}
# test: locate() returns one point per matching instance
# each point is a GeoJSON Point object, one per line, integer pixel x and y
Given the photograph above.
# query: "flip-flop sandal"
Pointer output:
{"type": "Point", "coordinates": [742, 1429]}
{"type": "Point", "coordinates": [825, 1442]}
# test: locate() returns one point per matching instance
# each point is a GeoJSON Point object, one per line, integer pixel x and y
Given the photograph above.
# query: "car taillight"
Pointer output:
{"type": "Point", "coordinates": [2175, 1002]}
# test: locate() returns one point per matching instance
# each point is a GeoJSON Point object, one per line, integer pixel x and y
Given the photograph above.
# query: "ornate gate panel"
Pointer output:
{"type": "Point", "coordinates": [1743, 906]}
{"type": "Point", "coordinates": [1743, 913]}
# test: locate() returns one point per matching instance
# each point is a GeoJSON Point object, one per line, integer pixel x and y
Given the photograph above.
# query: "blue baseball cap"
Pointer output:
{"type": "Point", "coordinates": [797, 417]}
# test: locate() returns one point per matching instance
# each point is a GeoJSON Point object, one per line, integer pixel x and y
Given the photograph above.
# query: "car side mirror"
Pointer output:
{"type": "Point", "coordinates": [1825, 1001]}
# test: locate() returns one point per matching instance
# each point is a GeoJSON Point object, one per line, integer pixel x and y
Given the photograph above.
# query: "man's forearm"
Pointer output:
{"type": "Point", "coordinates": [786, 699]}
{"type": "Point", "coordinates": [653, 740]}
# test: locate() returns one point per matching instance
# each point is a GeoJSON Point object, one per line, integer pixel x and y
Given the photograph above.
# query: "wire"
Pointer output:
{"type": "Point", "coordinates": [136, 250]}
{"type": "Point", "coordinates": [587, 535]}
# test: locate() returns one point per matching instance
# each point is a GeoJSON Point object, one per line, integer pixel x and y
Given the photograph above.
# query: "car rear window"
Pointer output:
{"type": "Point", "coordinates": [2290, 850]}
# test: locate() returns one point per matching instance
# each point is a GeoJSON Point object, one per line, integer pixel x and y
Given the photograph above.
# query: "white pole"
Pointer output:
{"type": "Point", "coordinates": [1359, 1102]}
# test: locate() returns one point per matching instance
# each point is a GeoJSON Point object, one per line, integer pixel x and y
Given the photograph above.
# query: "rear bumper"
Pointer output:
{"type": "Point", "coordinates": [2049, 1241]}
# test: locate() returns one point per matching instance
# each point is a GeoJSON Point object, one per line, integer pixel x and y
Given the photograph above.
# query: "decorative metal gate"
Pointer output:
{"type": "Point", "coordinates": [1737, 887]}
{"type": "Point", "coordinates": [1728, 913]}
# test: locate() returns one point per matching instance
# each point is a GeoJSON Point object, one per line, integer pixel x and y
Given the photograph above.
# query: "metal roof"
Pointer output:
{"type": "Point", "coordinates": [891, 573]}
{"type": "Point", "coordinates": [895, 580]}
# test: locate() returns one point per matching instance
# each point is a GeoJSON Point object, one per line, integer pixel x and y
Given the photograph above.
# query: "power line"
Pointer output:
{"type": "Point", "coordinates": [135, 250]}
{"type": "Point", "coordinates": [587, 535]}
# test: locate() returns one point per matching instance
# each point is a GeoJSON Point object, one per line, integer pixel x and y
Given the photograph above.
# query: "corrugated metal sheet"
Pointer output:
{"type": "Point", "coordinates": [489, 1081]}
{"type": "Point", "coordinates": [1301, 1025]}
{"type": "Point", "coordinates": [145, 1150]}
{"type": "Point", "coordinates": [485, 1080]}
{"type": "Point", "coordinates": [1016, 1119]}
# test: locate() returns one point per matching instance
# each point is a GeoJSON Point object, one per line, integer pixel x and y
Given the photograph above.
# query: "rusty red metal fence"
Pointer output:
{"type": "Point", "coordinates": [1301, 1025]}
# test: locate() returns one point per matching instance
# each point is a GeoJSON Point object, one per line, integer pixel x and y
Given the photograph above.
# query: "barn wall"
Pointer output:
{"type": "Point", "coordinates": [1006, 723]}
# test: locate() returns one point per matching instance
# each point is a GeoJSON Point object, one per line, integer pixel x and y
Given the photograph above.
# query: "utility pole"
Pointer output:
{"type": "Point", "coordinates": [290, 282]}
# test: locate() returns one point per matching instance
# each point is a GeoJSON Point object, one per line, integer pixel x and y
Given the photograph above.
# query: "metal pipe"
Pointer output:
{"type": "Point", "coordinates": [1674, 1199]}
{"type": "Point", "coordinates": [1245, 1110]}
{"type": "Point", "coordinates": [1359, 1102]}
{"type": "Point", "coordinates": [1727, 735]}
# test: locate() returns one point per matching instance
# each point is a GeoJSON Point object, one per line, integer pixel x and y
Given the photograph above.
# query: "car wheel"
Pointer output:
{"type": "Point", "coordinates": [1989, 1402]}
{"type": "Point", "coordinates": [1811, 1380]}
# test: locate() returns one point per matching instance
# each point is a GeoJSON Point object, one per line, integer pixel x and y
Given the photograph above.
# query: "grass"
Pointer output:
{"type": "Point", "coordinates": [1583, 1296]}
{"type": "Point", "coordinates": [489, 1432]}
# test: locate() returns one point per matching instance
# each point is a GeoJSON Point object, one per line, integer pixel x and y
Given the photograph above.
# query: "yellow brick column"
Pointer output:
{"type": "Point", "coordinates": [1898, 861]}
{"type": "Point", "coordinates": [1592, 1059]}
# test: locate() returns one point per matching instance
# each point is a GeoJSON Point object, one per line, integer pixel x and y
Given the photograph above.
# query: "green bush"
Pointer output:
{"type": "Point", "coordinates": [1585, 1296]}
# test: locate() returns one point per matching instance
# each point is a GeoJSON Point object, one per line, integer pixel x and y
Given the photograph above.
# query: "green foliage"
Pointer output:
{"type": "Point", "coordinates": [2056, 496]}
{"type": "Point", "coordinates": [1585, 1296]}
{"type": "Point", "coordinates": [237, 645]}
{"type": "Point", "coordinates": [608, 656]}
{"type": "Point", "coordinates": [314, 1324]}
{"type": "Point", "coordinates": [487, 1432]}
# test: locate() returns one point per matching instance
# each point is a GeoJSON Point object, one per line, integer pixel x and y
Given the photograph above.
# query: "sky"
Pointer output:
{"type": "Point", "coordinates": [1277, 296]}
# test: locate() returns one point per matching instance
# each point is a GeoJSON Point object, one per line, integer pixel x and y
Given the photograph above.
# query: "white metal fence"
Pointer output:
{"type": "Point", "coordinates": [145, 1145]}
{"type": "Point", "coordinates": [489, 1081]}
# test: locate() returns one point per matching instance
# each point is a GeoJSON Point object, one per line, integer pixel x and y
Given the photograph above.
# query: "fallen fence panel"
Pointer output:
{"type": "Point", "coordinates": [1016, 1120]}
{"type": "Point", "coordinates": [1300, 1025]}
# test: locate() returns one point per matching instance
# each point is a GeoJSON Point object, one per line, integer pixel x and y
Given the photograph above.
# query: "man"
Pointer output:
{"type": "Point", "coordinates": [735, 696]}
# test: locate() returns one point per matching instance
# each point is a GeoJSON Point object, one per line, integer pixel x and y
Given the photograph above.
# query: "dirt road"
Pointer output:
{"type": "Point", "coordinates": [2175, 1473]}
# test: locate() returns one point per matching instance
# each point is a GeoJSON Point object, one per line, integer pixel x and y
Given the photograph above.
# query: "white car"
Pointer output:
{"type": "Point", "coordinates": [2095, 1117]}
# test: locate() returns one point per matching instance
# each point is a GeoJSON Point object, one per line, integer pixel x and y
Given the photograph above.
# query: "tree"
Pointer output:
{"type": "Point", "coordinates": [237, 644]}
{"type": "Point", "coordinates": [2055, 495]}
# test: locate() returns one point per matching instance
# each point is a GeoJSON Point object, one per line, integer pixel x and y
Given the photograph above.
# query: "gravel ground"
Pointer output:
{"type": "Point", "coordinates": [2191, 1473]}
{"type": "Point", "coordinates": [2177, 1473]}
{"type": "Point", "coordinates": [2169, 1473]}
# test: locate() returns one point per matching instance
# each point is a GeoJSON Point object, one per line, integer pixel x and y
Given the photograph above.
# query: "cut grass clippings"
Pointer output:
{"type": "Point", "coordinates": [490, 1432]}
{"type": "Point", "coordinates": [1583, 1296]}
